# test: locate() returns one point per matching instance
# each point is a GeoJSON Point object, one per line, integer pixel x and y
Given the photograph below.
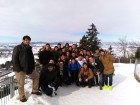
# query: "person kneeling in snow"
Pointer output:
{"type": "Point", "coordinates": [48, 80]}
{"type": "Point", "coordinates": [85, 76]}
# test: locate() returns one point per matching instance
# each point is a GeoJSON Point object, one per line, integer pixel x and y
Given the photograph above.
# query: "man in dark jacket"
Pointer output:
{"type": "Point", "coordinates": [45, 56]}
{"type": "Point", "coordinates": [23, 64]}
{"type": "Point", "coordinates": [48, 80]}
{"type": "Point", "coordinates": [97, 68]}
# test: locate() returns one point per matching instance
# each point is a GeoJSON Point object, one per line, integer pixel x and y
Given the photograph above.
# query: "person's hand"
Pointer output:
{"type": "Point", "coordinates": [69, 75]}
{"type": "Point", "coordinates": [97, 73]}
{"type": "Point", "coordinates": [41, 65]}
{"type": "Point", "coordinates": [86, 80]}
{"type": "Point", "coordinates": [80, 79]}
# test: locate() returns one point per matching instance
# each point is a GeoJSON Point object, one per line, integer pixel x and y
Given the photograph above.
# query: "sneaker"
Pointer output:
{"type": "Point", "coordinates": [23, 100]}
{"type": "Point", "coordinates": [110, 88]}
{"type": "Point", "coordinates": [37, 93]}
{"type": "Point", "coordinates": [105, 87]}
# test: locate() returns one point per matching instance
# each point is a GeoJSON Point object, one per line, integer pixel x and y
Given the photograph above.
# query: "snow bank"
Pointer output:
{"type": "Point", "coordinates": [126, 91]}
{"type": "Point", "coordinates": [3, 60]}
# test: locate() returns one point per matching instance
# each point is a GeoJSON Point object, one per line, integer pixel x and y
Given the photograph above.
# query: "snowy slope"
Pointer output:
{"type": "Point", "coordinates": [126, 91]}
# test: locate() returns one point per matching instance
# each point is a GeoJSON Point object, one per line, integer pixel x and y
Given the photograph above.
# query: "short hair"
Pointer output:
{"type": "Point", "coordinates": [26, 37]}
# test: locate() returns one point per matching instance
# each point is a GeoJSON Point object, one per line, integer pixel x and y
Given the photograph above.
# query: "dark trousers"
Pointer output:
{"type": "Point", "coordinates": [99, 80]}
{"type": "Point", "coordinates": [85, 83]}
{"type": "Point", "coordinates": [74, 76]}
{"type": "Point", "coordinates": [108, 79]}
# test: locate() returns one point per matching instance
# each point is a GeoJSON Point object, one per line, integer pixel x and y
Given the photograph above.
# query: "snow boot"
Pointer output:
{"type": "Point", "coordinates": [105, 87]}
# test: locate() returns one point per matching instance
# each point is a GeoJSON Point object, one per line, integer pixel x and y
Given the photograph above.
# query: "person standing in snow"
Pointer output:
{"type": "Point", "coordinates": [45, 56]}
{"type": "Point", "coordinates": [108, 71]}
{"type": "Point", "coordinates": [24, 64]}
{"type": "Point", "coordinates": [97, 67]}
{"type": "Point", "coordinates": [73, 70]}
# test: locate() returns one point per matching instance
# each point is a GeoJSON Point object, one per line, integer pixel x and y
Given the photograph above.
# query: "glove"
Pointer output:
{"type": "Point", "coordinates": [51, 87]}
{"type": "Point", "coordinates": [80, 79]}
{"type": "Point", "coordinates": [86, 80]}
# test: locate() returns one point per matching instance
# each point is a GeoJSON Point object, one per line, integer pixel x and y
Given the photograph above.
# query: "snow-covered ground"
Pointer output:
{"type": "Point", "coordinates": [3, 60]}
{"type": "Point", "coordinates": [126, 91]}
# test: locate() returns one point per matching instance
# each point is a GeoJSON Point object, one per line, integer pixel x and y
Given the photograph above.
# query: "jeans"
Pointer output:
{"type": "Point", "coordinates": [108, 79]}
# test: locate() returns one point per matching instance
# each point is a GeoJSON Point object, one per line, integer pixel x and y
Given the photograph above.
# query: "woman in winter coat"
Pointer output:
{"type": "Point", "coordinates": [85, 76]}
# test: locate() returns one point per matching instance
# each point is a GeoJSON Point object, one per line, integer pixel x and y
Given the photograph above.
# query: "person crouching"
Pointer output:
{"type": "Point", "coordinates": [85, 76]}
{"type": "Point", "coordinates": [48, 80]}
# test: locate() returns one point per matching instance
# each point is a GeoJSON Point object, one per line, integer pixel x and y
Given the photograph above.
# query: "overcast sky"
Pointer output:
{"type": "Point", "coordinates": [68, 20]}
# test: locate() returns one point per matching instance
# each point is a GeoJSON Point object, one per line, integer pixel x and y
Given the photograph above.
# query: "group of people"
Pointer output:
{"type": "Point", "coordinates": [60, 66]}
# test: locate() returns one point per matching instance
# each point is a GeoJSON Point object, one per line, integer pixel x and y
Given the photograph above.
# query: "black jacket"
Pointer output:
{"type": "Point", "coordinates": [44, 57]}
{"type": "Point", "coordinates": [96, 67]}
{"type": "Point", "coordinates": [47, 78]}
{"type": "Point", "coordinates": [23, 59]}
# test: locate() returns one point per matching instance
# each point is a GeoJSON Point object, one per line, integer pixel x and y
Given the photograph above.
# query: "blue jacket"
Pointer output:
{"type": "Point", "coordinates": [75, 66]}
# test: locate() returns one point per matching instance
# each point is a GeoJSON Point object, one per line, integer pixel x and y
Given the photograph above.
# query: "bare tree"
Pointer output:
{"type": "Point", "coordinates": [122, 46]}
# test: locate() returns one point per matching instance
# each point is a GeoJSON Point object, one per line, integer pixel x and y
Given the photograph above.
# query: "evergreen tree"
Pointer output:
{"type": "Point", "coordinates": [137, 54]}
{"type": "Point", "coordinates": [90, 41]}
{"type": "Point", "coordinates": [83, 42]}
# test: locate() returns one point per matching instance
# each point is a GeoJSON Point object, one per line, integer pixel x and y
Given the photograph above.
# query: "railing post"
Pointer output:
{"type": "Point", "coordinates": [12, 89]}
{"type": "Point", "coordinates": [119, 60]}
{"type": "Point", "coordinates": [130, 60]}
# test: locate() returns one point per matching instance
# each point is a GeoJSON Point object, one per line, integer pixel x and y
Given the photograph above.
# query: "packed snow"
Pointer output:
{"type": "Point", "coordinates": [126, 91]}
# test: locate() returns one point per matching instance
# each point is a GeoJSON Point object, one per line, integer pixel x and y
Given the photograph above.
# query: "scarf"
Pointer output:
{"type": "Point", "coordinates": [85, 70]}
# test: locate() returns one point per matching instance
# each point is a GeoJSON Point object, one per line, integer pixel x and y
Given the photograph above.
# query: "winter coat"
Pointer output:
{"type": "Point", "coordinates": [97, 66]}
{"type": "Point", "coordinates": [47, 78]}
{"type": "Point", "coordinates": [107, 61]}
{"type": "Point", "coordinates": [75, 66]}
{"type": "Point", "coordinates": [88, 73]}
{"type": "Point", "coordinates": [23, 59]}
{"type": "Point", "coordinates": [45, 57]}
{"type": "Point", "coordinates": [55, 56]}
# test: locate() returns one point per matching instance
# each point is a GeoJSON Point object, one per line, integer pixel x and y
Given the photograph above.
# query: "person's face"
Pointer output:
{"type": "Point", "coordinates": [85, 66]}
{"type": "Point", "coordinates": [51, 61]}
{"type": "Point", "coordinates": [68, 53]}
{"type": "Point", "coordinates": [63, 57]}
{"type": "Point", "coordinates": [84, 51]}
{"type": "Point", "coordinates": [70, 48]}
{"type": "Point", "coordinates": [26, 42]}
{"type": "Point", "coordinates": [72, 61]}
{"type": "Point", "coordinates": [47, 47]}
{"type": "Point", "coordinates": [91, 59]}
{"type": "Point", "coordinates": [59, 46]}
{"type": "Point", "coordinates": [50, 68]}
{"type": "Point", "coordinates": [80, 57]}
{"type": "Point", "coordinates": [56, 49]}
{"type": "Point", "coordinates": [73, 46]}
{"type": "Point", "coordinates": [73, 54]}
{"type": "Point", "coordinates": [102, 52]}
{"type": "Point", "coordinates": [87, 58]}
{"type": "Point", "coordinates": [97, 51]}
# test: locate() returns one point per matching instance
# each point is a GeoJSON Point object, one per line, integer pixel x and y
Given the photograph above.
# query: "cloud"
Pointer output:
{"type": "Point", "coordinates": [64, 20]}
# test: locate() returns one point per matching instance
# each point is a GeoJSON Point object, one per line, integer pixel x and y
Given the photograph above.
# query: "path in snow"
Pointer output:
{"type": "Point", "coordinates": [126, 91]}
